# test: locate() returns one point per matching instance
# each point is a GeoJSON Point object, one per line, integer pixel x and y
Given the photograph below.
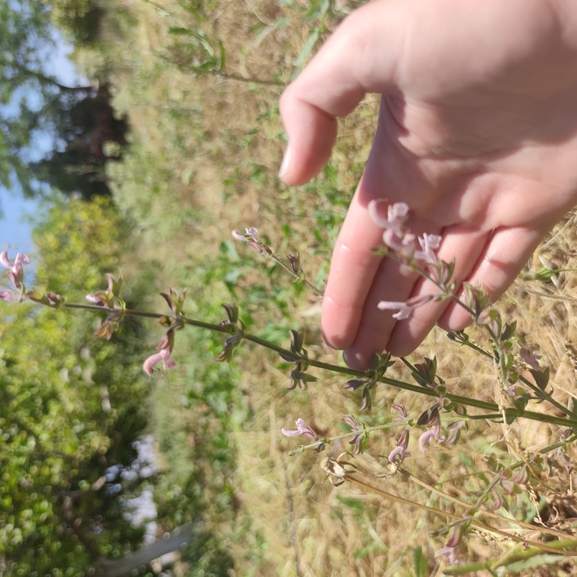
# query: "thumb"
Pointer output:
{"type": "Point", "coordinates": [360, 57]}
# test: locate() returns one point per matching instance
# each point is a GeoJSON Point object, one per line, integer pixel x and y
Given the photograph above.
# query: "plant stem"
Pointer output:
{"type": "Point", "coordinates": [510, 413]}
{"type": "Point", "coordinates": [490, 514]}
{"type": "Point", "coordinates": [482, 526]}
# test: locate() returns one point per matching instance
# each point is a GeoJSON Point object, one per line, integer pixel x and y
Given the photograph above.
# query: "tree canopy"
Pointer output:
{"type": "Point", "coordinates": [71, 408]}
{"type": "Point", "coordinates": [50, 133]}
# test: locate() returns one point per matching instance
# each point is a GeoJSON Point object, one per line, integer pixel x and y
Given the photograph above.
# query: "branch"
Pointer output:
{"type": "Point", "coordinates": [179, 537]}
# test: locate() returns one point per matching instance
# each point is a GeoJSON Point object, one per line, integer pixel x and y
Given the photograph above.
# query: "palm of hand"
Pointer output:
{"type": "Point", "coordinates": [478, 139]}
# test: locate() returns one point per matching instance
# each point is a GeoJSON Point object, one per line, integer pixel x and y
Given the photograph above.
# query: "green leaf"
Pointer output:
{"type": "Point", "coordinates": [541, 378]}
{"type": "Point", "coordinates": [354, 504]}
{"type": "Point", "coordinates": [181, 31]}
{"type": "Point", "coordinates": [537, 561]}
{"type": "Point", "coordinates": [420, 563]}
{"type": "Point", "coordinates": [280, 23]}
{"type": "Point", "coordinates": [222, 63]}
{"type": "Point", "coordinates": [307, 48]}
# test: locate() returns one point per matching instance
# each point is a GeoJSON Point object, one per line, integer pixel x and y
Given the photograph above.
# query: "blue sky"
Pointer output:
{"type": "Point", "coordinates": [15, 226]}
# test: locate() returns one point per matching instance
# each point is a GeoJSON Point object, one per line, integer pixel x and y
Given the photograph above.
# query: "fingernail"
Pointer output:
{"type": "Point", "coordinates": [355, 360]}
{"type": "Point", "coordinates": [285, 165]}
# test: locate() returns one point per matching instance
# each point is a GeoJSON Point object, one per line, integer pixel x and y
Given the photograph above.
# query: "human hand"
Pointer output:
{"type": "Point", "coordinates": [477, 133]}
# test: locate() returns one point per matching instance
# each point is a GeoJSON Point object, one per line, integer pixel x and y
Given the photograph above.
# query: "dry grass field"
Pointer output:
{"type": "Point", "coordinates": [206, 146]}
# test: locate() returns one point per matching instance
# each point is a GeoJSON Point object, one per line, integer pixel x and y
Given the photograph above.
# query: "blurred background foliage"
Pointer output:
{"type": "Point", "coordinates": [174, 141]}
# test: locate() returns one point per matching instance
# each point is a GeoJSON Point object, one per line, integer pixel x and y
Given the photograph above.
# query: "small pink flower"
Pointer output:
{"type": "Point", "coordinates": [403, 311]}
{"type": "Point", "coordinates": [6, 295]}
{"type": "Point", "coordinates": [403, 245]}
{"type": "Point", "coordinates": [400, 452]}
{"type": "Point", "coordinates": [96, 300]}
{"type": "Point", "coordinates": [402, 412]}
{"type": "Point", "coordinates": [302, 429]}
{"type": "Point", "coordinates": [449, 551]}
{"type": "Point", "coordinates": [15, 269]}
{"type": "Point", "coordinates": [163, 355]}
{"type": "Point", "coordinates": [251, 238]}
{"type": "Point", "coordinates": [396, 215]}
{"type": "Point", "coordinates": [425, 439]}
{"type": "Point", "coordinates": [16, 266]}
{"type": "Point", "coordinates": [429, 244]}
{"type": "Point", "coordinates": [250, 233]}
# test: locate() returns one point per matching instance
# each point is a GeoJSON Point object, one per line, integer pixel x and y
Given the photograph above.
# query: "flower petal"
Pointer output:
{"type": "Point", "coordinates": [4, 260]}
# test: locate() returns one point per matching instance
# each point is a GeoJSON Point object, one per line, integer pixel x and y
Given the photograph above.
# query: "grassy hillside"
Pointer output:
{"type": "Point", "coordinates": [200, 81]}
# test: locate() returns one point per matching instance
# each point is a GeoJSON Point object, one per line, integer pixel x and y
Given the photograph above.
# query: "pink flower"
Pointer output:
{"type": "Point", "coordinates": [425, 439]}
{"type": "Point", "coordinates": [449, 551]}
{"type": "Point", "coordinates": [15, 270]}
{"type": "Point", "coordinates": [251, 238]}
{"type": "Point", "coordinates": [404, 309]}
{"type": "Point", "coordinates": [302, 429]}
{"type": "Point", "coordinates": [16, 266]}
{"type": "Point", "coordinates": [96, 300]}
{"type": "Point", "coordinates": [249, 232]}
{"type": "Point", "coordinates": [6, 295]}
{"type": "Point", "coordinates": [109, 297]}
{"type": "Point", "coordinates": [403, 245]}
{"type": "Point", "coordinates": [163, 355]}
{"type": "Point", "coordinates": [400, 452]}
{"type": "Point", "coordinates": [396, 215]}
{"type": "Point", "coordinates": [429, 244]}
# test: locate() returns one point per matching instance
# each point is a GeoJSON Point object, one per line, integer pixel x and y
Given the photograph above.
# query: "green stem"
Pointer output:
{"type": "Point", "coordinates": [297, 277]}
{"type": "Point", "coordinates": [540, 394]}
{"type": "Point", "coordinates": [466, 401]}
{"type": "Point", "coordinates": [351, 434]}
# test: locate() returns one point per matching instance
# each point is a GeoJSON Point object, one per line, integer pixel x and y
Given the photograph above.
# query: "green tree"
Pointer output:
{"type": "Point", "coordinates": [71, 408]}
{"type": "Point", "coordinates": [68, 124]}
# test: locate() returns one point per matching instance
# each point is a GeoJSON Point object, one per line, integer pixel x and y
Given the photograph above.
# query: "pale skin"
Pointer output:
{"type": "Point", "coordinates": [477, 133]}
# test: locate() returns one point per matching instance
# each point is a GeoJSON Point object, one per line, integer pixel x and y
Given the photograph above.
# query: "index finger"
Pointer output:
{"type": "Point", "coordinates": [360, 57]}
{"type": "Point", "coordinates": [353, 268]}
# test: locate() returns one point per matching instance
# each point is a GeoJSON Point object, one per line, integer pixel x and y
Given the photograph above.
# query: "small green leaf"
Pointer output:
{"type": "Point", "coordinates": [420, 563]}
{"type": "Point", "coordinates": [222, 62]}
{"type": "Point", "coordinates": [537, 561]}
{"type": "Point", "coordinates": [181, 31]}
{"type": "Point", "coordinates": [307, 48]}
{"type": "Point", "coordinates": [354, 504]}
{"type": "Point", "coordinates": [541, 378]}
